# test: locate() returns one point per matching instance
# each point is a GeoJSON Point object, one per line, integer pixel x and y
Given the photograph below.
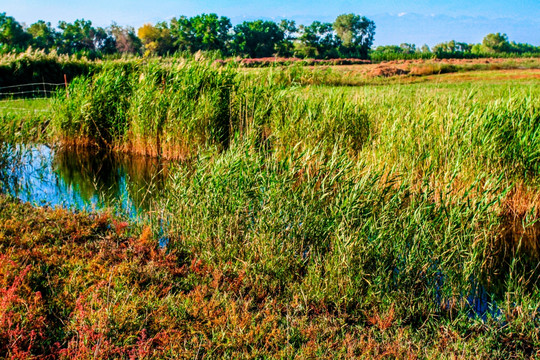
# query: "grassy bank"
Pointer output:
{"type": "Point", "coordinates": [81, 286]}
{"type": "Point", "coordinates": [307, 219]}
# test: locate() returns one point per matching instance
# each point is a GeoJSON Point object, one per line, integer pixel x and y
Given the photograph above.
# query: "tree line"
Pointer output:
{"type": "Point", "coordinates": [349, 36]}
{"type": "Point", "coordinates": [492, 44]}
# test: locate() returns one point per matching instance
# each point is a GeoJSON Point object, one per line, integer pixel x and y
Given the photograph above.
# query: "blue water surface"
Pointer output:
{"type": "Point", "coordinates": [81, 180]}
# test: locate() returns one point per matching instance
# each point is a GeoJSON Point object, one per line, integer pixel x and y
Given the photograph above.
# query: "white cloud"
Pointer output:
{"type": "Point", "coordinates": [402, 14]}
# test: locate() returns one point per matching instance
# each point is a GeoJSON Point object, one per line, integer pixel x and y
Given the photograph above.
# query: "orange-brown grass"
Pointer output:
{"type": "Point", "coordinates": [155, 148]}
{"type": "Point", "coordinates": [420, 70]}
{"type": "Point", "coordinates": [77, 142]}
{"type": "Point", "coordinates": [521, 226]}
{"type": "Point", "coordinates": [135, 146]}
{"type": "Point", "coordinates": [83, 286]}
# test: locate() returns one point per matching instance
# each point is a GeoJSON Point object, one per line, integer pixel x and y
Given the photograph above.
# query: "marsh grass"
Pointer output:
{"type": "Point", "coordinates": [94, 108]}
{"type": "Point", "coordinates": [334, 230]}
{"type": "Point", "coordinates": [374, 217]}
{"type": "Point", "coordinates": [174, 110]}
{"type": "Point", "coordinates": [151, 109]}
{"type": "Point", "coordinates": [180, 107]}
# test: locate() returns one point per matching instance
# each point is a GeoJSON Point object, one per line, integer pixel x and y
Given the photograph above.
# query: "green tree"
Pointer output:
{"type": "Point", "coordinates": [76, 37]}
{"type": "Point", "coordinates": [257, 38]}
{"type": "Point", "coordinates": [408, 48]}
{"type": "Point", "coordinates": [201, 32]}
{"type": "Point", "coordinates": [44, 36]}
{"type": "Point", "coordinates": [452, 47]}
{"type": "Point", "coordinates": [477, 49]}
{"type": "Point", "coordinates": [286, 47]}
{"type": "Point", "coordinates": [425, 49]}
{"type": "Point", "coordinates": [12, 34]}
{"type": "Point", "coordinates": [445, 47]}
{"type": "Point", "coordinates": [317, 40]}
{"type": "Point", "coordinates": [104, 42]}
{"type": "Point", "coordinates": [389, 49]}
{"type": "Point", "coordinates": [356, 33]}
{"type": "Point", "coordinates": [524, 48]}
{"type": "Point", "coordinates": [80, 37]}
{"type": "Point", "coordinates": [496, 43]}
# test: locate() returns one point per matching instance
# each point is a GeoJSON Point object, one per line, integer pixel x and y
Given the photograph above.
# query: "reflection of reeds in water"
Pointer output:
{"type": "Point", "coordinates": [19, 164]}
{"type": "Point", "coordinates": [89, 172]}
{"type": "Point", "coordinates": [110, 176]}
{"type": "Point", "coordinates": [146, 177]}
{"type": "Point", "coordinates": [4, 163]}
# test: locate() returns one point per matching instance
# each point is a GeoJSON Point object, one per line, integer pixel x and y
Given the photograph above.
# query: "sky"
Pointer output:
{"type": "Point", "coordinates": [410, 21]}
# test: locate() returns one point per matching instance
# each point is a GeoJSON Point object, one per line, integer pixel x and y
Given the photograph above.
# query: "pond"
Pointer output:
{"type": "Point", "coordinates": [82, 179]}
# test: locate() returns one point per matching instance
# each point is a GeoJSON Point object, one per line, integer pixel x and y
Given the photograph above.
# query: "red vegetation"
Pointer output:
{"type": "Point", "coordinates": [269, 61]}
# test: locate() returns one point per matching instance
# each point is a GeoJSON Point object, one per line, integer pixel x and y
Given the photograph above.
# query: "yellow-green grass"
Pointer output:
{"type": "Point", "coordinates": [24, 119]}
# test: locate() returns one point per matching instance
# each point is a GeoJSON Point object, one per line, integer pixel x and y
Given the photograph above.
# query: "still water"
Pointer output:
{"type": "Point", "coordinates": [81, 179]}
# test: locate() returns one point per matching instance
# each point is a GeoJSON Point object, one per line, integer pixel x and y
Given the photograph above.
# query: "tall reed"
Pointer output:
{"type": "Point", "coordinates": [179, 107]}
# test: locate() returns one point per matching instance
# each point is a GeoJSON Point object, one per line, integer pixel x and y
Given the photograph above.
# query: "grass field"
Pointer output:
{"type": "Point", "coordinates": [308, 218]}
{"type": "Point", "coordinates": [24, 119]}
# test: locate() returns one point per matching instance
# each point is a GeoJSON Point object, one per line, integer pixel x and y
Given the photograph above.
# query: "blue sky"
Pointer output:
{"type": "Point", "coordinates": [418, 21]}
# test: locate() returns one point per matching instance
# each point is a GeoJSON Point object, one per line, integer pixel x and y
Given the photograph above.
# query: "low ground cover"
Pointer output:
{"type": "Point", "coordinates": [92, 286]}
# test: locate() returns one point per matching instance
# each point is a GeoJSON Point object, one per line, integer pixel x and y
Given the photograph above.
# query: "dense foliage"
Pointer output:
{"type": "Point", "coordinates": [40, 67]}
{"type": "Point", "coordinates": [350, 36]}
{"type": "Point", "coordinates": [492, 45]}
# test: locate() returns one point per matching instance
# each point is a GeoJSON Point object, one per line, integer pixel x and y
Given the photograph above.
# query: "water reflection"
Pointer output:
{"type": "Point", "coordinates": [81, 179]}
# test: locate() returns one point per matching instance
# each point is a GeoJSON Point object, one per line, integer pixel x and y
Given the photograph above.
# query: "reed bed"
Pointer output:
{"type": "Point", "coordinates": [175, 110]}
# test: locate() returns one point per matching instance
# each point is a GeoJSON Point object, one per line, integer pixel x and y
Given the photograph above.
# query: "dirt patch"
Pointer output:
{"type": "Point", "coordinates": [439, 66]}
{"type": "Point", "coordinates": [387, 71]}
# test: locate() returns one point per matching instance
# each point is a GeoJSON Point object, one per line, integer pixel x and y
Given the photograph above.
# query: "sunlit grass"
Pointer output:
{"type": "Point", "coordinates": [24, 119]}
{"type": "Point", "coordinates": [390, 218]}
